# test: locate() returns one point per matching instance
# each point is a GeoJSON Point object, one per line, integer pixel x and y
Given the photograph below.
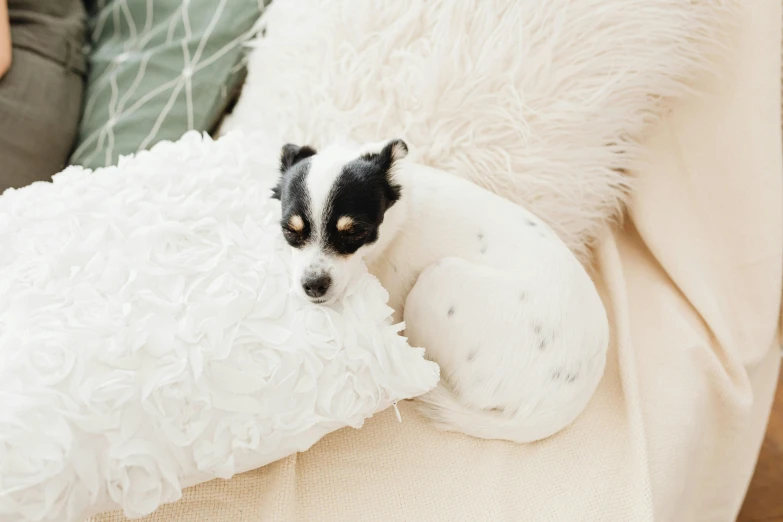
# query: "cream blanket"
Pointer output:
{"type": "Point", "coordinates": [693, 287]}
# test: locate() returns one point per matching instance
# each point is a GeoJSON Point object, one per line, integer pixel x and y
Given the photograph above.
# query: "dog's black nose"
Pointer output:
{"type": "Point", "coordinates": [316, 286]}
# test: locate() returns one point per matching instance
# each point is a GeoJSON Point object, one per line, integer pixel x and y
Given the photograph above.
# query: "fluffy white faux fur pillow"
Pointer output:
{"type": "Point", "coordinates": [543, 102]}
{"type": "Point", "coordinates": [148, 340]}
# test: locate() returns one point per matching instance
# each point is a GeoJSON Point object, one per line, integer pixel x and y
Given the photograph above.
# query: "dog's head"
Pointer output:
{"type": "Point", "coordinates": [333, 204]}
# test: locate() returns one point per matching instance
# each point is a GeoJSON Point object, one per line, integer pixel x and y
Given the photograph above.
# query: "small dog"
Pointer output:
{"type": "Point", "coordinates": [489, 290]}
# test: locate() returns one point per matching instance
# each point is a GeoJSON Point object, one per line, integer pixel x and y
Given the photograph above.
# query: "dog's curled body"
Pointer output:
{"type": "Point", "coordinates": [487, 288]}
{"type": "Point", "coordinates": [498, 301]}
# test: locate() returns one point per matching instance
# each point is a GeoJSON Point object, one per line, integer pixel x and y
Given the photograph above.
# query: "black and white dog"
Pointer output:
{"type": "Point", "coordinates": [489, 290]}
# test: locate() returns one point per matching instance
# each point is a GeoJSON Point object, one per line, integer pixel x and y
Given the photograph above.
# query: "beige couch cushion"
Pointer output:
{"type": "Point", "coordinates": [693, 287]}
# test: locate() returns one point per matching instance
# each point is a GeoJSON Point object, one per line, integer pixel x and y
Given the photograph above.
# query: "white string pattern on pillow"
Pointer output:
{"type": "Point", "coordinates": [124, 102]}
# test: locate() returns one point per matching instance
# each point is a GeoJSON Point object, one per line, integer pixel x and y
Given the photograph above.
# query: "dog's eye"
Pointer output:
{"type": "Point", "coordinates": [355, 232]}
{"type": "Point", "coordinates": [292, 236]}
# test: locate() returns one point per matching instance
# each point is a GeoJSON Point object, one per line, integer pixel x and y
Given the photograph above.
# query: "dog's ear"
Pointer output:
{"type": "Point", "coordinates": [392, 152]}
{"type": "Point", "coordinates": [385, 156]}
{"type": "Point", "coordinates": [385, 160]}
{"type": "Point", "coordinates": [293, 154]}
{"type": "Point", "coordinates": [290, 155]}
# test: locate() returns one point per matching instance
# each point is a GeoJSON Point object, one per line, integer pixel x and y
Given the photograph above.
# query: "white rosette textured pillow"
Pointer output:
{"type": "Point", "coordinates": [149, 341]}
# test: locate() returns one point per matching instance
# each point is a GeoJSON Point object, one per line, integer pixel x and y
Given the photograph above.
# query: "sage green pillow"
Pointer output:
{"type": "Point", "coordinates": [159, 68]}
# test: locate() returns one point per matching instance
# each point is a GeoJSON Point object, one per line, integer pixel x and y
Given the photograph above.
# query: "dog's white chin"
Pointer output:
{"type": "Point", "coordinates": [330, 299]}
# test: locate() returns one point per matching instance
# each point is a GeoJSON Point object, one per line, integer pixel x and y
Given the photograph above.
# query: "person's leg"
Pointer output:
{"type": "Point", "coordinates": [5, 38]}
{"type": "Point", "coordinates": [40, 108]}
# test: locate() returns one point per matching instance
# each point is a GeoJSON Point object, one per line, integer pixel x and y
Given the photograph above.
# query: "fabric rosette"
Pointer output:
{"type": "Point", "coordinates": [149, 339]}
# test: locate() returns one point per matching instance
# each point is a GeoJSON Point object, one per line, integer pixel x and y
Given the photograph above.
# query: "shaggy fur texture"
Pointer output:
{"type": "Point", "coordinates": [541, 102]}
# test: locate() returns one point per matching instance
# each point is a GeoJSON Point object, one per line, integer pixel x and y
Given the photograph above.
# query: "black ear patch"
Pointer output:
{"type": "Point", "coordinates": [395, 150]}
{"type": "Point", "coordinates": [290, 155]}
{"type": "Point", "coordinates": [293, 154]}
{"type": "Point", "coordinates": [384, 161]}
{"type": "Point", "coordinates": [391, 152]}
